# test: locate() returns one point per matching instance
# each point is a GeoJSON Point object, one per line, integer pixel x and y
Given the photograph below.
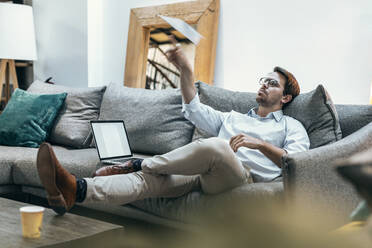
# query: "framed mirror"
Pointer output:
{"type": "Point", "coordinates": [203, 14]}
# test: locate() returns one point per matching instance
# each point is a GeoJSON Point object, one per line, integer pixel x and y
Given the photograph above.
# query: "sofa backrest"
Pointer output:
{"type": "Point", "coordinates": [153, 118]}
{"type": "Point", "coordinates": [313, 109]}
{"type": "Point", "coordinates": [353, 117]}
{"type": "Point", "coordinates": [82, 105]}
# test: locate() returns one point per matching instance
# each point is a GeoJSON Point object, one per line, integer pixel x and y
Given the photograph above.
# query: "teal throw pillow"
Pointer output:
{"type": "Point", "coordinates": [28, 118]}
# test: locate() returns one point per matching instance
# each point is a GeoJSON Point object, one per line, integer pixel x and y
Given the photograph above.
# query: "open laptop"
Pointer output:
{"type": "Point", "coordinates": [112, 141]}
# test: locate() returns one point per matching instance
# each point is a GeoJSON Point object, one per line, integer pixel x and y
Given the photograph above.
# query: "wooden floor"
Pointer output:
{"type": "Point", "coordinates": [138, 233]}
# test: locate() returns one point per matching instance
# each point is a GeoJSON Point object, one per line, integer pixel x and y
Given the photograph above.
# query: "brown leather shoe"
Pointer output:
{"type": "Point", "coordinates": [124, 168]}
{"type": "Point", "coordinates": [59, 184]}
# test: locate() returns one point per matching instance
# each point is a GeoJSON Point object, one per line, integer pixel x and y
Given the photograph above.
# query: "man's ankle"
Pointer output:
{"type": "Point", "coordinates": [136, 163]}
{"type": "Point", "coordinates": [81, 189]}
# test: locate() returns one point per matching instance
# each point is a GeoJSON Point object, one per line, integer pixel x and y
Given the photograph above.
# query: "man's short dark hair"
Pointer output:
{"type": "Point", "coordinates": [291, 86]}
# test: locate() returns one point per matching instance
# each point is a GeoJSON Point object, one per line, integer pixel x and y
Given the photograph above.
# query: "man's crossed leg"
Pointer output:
{"type": "Point", "coordinates": [209, 165]}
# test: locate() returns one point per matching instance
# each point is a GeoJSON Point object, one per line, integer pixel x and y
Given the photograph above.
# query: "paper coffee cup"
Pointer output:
{"type": "Point", "coordinates": [31, 218]}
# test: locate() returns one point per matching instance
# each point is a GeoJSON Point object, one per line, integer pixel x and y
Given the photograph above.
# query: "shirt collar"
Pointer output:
{"type": "Point", "coordinates": [277, 115]}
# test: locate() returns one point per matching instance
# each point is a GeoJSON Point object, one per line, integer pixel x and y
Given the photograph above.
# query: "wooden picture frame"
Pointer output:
{"type": "Point", "coordinates": [203, 13]}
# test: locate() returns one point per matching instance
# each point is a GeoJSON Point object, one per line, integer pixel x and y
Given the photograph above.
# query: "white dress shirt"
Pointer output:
{"type": "Point", "coordinates": [277, 129]}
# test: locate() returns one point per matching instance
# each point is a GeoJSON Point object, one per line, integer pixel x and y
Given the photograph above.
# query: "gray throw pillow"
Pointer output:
{"type": "Point", "coordinates": [72, 126]}
{"type": "Point", "coordinates": [314, 110]}
{"type": "Point", "coordinates": [153, 118]}
{"type": "Point", "coordinates": [223, 100]}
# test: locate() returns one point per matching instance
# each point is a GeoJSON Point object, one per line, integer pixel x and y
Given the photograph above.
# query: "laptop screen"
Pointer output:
{"type": "Point", "coordinates": [111, 139]}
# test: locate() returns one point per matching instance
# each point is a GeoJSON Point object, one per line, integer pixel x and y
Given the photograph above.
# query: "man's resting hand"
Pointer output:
{"type": "Point", "coordinates": [245, 141]}
{"type": "Point", "coordinates": [270, 151]}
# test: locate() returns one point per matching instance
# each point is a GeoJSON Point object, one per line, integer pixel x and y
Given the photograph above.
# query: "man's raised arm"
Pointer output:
{"type": "Point", "coordinates": [202, 116]}
{"type": "Point", "coordinates": [177, 57]}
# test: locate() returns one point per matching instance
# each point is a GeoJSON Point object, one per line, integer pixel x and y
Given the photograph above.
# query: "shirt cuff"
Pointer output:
{"type": "Point", "coordinates": [193, 106]}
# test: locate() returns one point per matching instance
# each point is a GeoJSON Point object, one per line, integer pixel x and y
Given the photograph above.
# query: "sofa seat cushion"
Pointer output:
{"type": "Point", "coordinates": [8, 156]}
{"type": "Point", "coordinates": [82, 105]}
{"type": "Point", "coordinates": [184, 208]}
{"type": "Point", "coordinates": [153, 118]}
{"type": "Point", "coordinates": [81, 163]}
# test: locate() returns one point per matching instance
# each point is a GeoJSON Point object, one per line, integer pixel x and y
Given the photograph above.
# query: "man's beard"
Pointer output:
{"type": "Point", "coordinates": [260, 101]}
{"type": "Point", "coordinates": [264, 102]}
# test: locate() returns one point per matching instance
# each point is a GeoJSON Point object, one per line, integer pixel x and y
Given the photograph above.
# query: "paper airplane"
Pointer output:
{"type": "Point", "coordinates": [184, 28]}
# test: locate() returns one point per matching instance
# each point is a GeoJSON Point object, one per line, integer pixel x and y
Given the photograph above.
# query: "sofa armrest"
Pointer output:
{"type": "Point", "coordinates": [311, 174]}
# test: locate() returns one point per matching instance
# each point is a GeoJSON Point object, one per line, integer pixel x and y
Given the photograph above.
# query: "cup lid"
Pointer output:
{"type": "Point", "coordinates": [31, 209]}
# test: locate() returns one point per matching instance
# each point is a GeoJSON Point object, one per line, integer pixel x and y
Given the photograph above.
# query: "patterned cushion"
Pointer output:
{"type": "Point", "coordinates": [153, 118]}
{"type": "Point", "coordinates": [314, 110]}
{"type": "Point", "coordinates": [28, 118]}
{"type": "Point", "coordinates": [72, 125]}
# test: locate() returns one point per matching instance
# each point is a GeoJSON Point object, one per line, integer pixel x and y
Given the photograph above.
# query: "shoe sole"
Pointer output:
{"type": "Point", "coordinates": [47, 174]}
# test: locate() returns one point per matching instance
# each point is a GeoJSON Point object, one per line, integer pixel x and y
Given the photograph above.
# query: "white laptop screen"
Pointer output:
{"type": "Point", "coordinates": [111, 139]}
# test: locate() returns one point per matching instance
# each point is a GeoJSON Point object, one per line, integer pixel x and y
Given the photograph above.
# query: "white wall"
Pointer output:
{"type": "Point", "coordinates": [95, 39]}
{"type": "Point", "coordinates": [115, 27]}
{"type": "Point", "coordinates": [61, 38]}
{"type": "Point", "coordinates": [320, 41]}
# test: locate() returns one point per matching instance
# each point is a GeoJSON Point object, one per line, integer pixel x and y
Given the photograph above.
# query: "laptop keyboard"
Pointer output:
{"type": "Point", "coordinates": [118, 161]}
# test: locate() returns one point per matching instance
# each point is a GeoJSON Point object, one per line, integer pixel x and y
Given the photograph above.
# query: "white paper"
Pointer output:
{"type": "Point", "coordinates": [184, 28]}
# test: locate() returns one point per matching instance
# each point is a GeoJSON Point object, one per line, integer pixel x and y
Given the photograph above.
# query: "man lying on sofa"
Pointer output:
{"type": "Point", "coordinates": [247, 148]}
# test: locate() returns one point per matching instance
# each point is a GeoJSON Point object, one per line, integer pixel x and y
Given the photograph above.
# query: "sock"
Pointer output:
{"type": "Point", "coordinates": [137, 164]}
{"type": "Point", "coordinates": [81, 189]}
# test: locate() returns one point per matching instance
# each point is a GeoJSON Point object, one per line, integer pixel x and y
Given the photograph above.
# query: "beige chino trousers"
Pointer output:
{"type": "Point", "coordinates": [209, 165]}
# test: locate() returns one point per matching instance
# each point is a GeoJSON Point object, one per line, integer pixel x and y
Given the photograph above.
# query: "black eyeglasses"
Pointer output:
{"type": "Point", "coordinates": [269, 82]}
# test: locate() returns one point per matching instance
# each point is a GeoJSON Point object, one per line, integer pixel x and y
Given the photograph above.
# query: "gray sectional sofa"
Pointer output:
{"type": "Point", "coordinates": [155, 125]}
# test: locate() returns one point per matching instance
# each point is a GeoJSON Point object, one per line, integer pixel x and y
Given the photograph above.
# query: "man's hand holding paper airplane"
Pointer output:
{"type": "Point", "coordinates": [176, 55]}
{"type": "Point", "coordinates": [184, 28]}
{"type": "Point", "coordinates": [178, 58]}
